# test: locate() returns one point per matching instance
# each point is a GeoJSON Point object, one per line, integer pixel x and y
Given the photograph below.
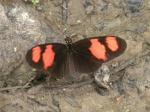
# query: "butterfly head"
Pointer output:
{"type": "Point", "coordinates": [68, 40]}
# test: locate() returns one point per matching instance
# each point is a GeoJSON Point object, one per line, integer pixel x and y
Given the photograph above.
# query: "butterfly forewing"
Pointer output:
{"type": "Point", "coordinates": [50, 57]}
{"type": "Point", "coordinates": [90, 53]}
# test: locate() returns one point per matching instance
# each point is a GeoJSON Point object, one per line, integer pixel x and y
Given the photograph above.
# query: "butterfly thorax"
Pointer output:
{"type": "Point", "coordinates": [68, 44]}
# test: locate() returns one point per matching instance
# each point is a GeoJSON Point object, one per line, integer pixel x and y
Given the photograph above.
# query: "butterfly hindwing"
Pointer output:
{"type": "Point", "coordinates": [90, 53]}
{"type": "Point", "coordinates": [50, 57]}
{"type": "Point", "coordinates": [84, 64]}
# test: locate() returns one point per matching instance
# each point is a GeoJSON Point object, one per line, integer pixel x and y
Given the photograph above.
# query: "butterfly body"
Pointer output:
{"type": "Point", "coordinates": [84, 56]}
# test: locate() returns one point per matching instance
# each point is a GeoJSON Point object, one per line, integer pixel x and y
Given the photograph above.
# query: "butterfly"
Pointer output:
{"type": "Point", "coordinates": [84, 56]}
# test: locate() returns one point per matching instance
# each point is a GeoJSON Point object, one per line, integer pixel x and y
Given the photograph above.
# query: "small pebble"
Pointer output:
{"type": "Point", "coordinates": [38, 8]}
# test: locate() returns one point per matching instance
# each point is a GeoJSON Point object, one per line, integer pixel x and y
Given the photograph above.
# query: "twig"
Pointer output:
{"type": "Point", "coordinates": [12, 88]}
{"type": "Point", "coordinates": [64, 11]}
{"type": "Point", "coordinates": [18, 87]}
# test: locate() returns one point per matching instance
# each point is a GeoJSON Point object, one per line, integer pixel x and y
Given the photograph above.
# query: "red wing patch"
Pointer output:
{"type": "Point", "coordinates": [48, 57]}
{"type": "Point", "coordinates": [112, 43]}
{"type": "Point", "coordinates": [36, 54]}
{"type": "Point", "coordinates": [97, 49]}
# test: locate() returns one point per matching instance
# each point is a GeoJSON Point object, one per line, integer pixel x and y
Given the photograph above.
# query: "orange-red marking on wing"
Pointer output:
{"type": "Point", "coordinates": [112, 43]}
{"type": "Point", "coordinates": [36, 54]}
{"type": "Point", "coordinates": [98, 49]}
{"type": "Point", "coordinates": [48, 56]}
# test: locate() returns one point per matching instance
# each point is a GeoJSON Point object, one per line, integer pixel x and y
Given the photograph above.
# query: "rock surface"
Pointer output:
{"type": "Point", "coordinates": [22, 27]}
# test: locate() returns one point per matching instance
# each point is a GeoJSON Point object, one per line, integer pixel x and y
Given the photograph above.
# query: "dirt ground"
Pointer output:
{"type": "Point", "coordinates": [24, 25]}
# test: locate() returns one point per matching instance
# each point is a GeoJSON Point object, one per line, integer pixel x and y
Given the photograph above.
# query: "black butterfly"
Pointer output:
{"type": "Point", "coordinates": [86, 55]}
